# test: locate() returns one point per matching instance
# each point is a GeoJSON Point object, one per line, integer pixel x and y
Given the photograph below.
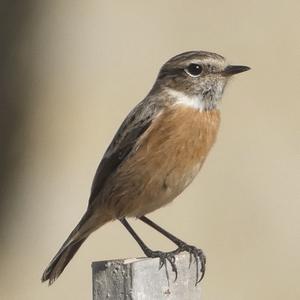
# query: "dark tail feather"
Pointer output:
{"type": "Point", "coordinates": [85, 227]}
{"type": "Point", "coordinates": [60, 261]}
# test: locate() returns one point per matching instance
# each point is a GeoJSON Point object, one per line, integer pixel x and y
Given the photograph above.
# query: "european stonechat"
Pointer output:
{"type": "Point", "coordinates": [156, 153]}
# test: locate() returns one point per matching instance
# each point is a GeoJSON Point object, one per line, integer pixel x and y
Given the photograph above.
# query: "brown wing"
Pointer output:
{"type": "Point", "coordinates": [123, 143]}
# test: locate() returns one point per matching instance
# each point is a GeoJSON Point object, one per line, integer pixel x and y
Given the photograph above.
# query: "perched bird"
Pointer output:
{"type": "Point", "coordinates": [156, 153]}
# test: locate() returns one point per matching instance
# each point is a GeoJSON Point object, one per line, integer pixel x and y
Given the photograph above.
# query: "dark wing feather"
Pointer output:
{"type": "Point", "coordinates": [135, 124]}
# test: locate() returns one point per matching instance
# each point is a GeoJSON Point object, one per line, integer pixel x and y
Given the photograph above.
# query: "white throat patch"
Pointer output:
{"type": "Point", "coordinates": [191, 101]}
{"type": "Point", "coordinates": [196, 102]}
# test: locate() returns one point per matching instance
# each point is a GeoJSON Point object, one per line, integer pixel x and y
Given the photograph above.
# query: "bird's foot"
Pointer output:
{"type": "Point", "coordinates": [198, 256]}
{"type": "Point", "coordinates": [163, 258]}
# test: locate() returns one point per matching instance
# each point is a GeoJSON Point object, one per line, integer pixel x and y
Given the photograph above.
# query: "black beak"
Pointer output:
{"type": "Point", "coordinates": [231, 70]}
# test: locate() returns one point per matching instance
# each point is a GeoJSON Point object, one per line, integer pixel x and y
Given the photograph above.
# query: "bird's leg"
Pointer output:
{"type": "Point", "coordinates": [182, 246]}
{"type": "Point", "coordinates": [163, 256]}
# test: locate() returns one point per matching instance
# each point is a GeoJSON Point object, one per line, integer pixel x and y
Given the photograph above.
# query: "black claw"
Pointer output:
{"type": "Point", "coordinates": [163, 258]}
{"type": "Point", "coordinates": [170, 257]}
{"type": "Point", "coordinates": [191, 259]}
{"type": "Point", "coordinates": [161, 263]}
{"type": "Point", "coordinates": [198, 256]}
{"type": "Point", "coordinates": [182, 246]}
{"type": "Point", "coordinates": [171, 260]}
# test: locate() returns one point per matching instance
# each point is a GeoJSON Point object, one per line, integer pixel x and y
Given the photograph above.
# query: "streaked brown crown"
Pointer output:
{"type": "Point", "coordinates": [180, 74]}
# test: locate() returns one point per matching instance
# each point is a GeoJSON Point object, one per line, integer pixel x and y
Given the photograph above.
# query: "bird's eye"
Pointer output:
{"type": "Point", "coordinates": [194, 70]}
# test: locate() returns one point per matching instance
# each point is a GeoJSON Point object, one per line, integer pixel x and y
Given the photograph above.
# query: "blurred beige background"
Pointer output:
{"type": "Point", "coordinates": [72, 70]}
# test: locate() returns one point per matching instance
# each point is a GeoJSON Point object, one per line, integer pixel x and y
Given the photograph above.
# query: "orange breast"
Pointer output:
{"type": "Point", "coordinates": [169, 155]}
{"type": "Point", "coordinates": [180, 136]}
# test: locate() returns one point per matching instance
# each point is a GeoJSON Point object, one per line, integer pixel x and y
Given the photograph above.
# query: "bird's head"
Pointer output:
{"type": "Point", "coordinates": [196, 77]}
